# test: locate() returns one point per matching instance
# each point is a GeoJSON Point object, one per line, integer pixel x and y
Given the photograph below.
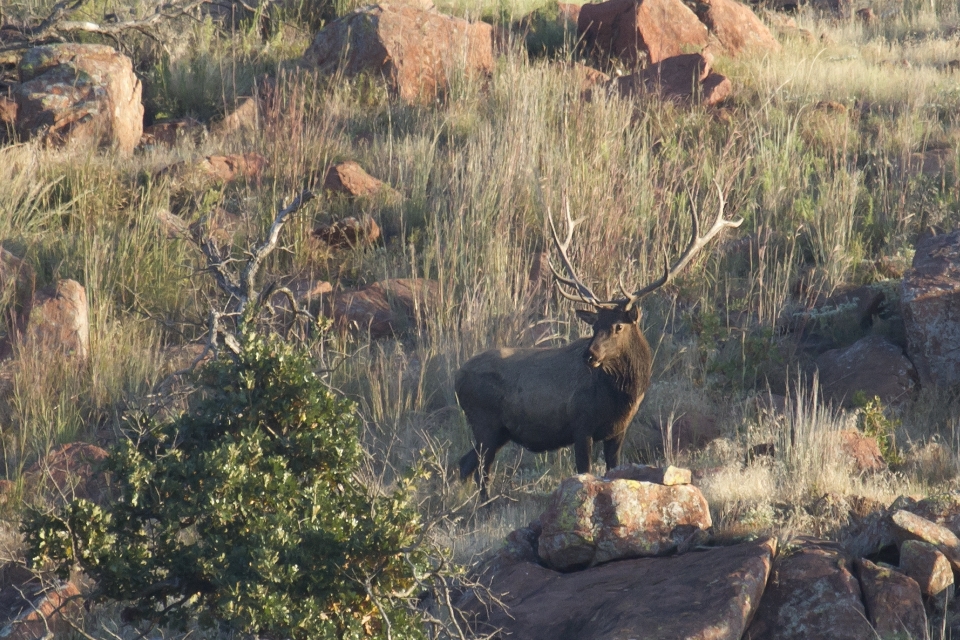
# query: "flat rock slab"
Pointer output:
{"type": "Point", "coordinates": [699, 595]}
{"type": "Point", "coordinates": [909, 526]}
{"type": "Point", "coordinates": [812, 594]}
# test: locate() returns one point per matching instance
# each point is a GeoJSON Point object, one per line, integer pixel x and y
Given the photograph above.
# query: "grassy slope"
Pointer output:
{"type": "Point", "coordinates": [834, 190]}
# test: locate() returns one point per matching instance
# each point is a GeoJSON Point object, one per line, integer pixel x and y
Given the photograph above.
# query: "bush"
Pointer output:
{"type": "Point", "coordinates": [247, 511]}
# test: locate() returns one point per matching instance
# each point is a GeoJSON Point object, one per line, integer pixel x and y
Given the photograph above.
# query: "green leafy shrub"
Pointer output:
{"type": "Point", "coordinates": [873, 421]}
{"type": "Point", "coordinates": [247, 511]}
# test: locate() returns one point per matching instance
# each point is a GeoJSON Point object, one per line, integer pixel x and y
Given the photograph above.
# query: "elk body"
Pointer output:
{"type": "Point", "coordinates": [578, 394]}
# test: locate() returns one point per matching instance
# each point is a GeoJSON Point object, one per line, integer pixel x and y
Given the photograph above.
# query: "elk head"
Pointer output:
{"type": "Point", "coordinates": [616, 321]}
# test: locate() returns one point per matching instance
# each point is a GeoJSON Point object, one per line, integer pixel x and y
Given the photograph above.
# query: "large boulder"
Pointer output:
{"type": "Point", "coordinates": [81, 93]}
{"type": "Point", "coordinates": [703, 594]}
{"type": "Point", "coordinates": [811, 594]}
{"type": "Point", "coordinates": [930, 299]}
{"type": "Point", "coordinates": [684, 78]}
{"type": "Point", "coordinates": [909, 526]}
{"type": "Point", "coordinates": [590, 521]}
{"type": "Point", "coordinates": [386, 307]}
{"type": "Point", "coordinates": [416, 51]}
{"type": "Point", "coordinates": [873, 365]}
{"type": "Point", "coordinates": [626, 29]}
{"type": "Point", "coordinates": [924, 563]}
{"type": "Point", "coordinates": [893, 601]}
{"type": "Point", "coordinates": [736, 26]}
{"type": "Point", "coordinates": [58, 319]}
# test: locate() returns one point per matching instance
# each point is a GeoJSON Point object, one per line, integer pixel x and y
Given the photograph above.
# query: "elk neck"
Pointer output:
{"type": "Point", "coordinates": [630, 369]}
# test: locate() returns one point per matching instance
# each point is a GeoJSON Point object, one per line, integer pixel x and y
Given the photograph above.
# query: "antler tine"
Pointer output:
{"type": "Point", "coordinates": [697, 243]}
{"type": "Point", "coordinates": [584, 294]}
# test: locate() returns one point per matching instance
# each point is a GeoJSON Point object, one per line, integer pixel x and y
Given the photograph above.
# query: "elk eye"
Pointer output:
{"type": "Point", "coordinates": [617, 328]}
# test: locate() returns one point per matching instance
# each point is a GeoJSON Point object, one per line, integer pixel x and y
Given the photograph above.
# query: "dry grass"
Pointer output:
{"type": "Point", "coordinates": [831, 189]}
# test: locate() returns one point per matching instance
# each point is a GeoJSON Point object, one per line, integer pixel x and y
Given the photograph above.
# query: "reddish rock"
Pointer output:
{"type": "Point", "coordinates": [169, 132]}
{"type": "Point", "coordinates": [589, 521]}
{"type": "Point", "coordinates": [704, 595]}
{"type": "Point", "coordinates": [861, 451]}
{"type": "Point", "coordinates": [416, 51]}
{"type": "Point", "coordinates": [930, 301]}
{"type": "Point", "coordinates": [626, 28]}
{"type": "Point", "coordinates": [685, 78]}
{"type": "Point", "coordinates": [350, 179]}
{"type": "Point", "coordinates": [866, 15]}
{"type": "Point", "coordinates": [893, 602]}
{"type": "Point", "coordinates": [349, 232]}
{"type": "Point", "coordinates": [8, 111]}
{"type": "Point", "coordinates": [569, 13]}
{"type": "Point", "coordinates": [588, 79]}
{"type": "Point", "coordinates": [909, 526]}
{"type": "Point", "coordinates": [386, 307]}
{"type": "Point", "coordinates": [668, 476]}
{"type": "Point", "coordinates": [71, 471]}
{"type": "Point", "coordinates": [737, 27]}
{"type": "Point", "coordinates": [17, 281]}
{"type": "Point", "coordinates": [248, 165]}
{"type": "Point", "coordinates": [873, 365]}
{"type": "Point", "coordinates": [926, 565]}
{"type": "Point", "coordinates": [83, 93]}
{"type": "Point", "coordinates": [31, 611]}
{"type": "Point", "coordinates": [811, 594]}
{"type": "Point", "coordinates": [58, 319]}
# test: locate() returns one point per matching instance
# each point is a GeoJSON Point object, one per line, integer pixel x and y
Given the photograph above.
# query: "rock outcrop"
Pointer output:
{"type": "Point", "coordinates": [58, 319]}
{"type": "Point", "coordinates": [736, 27]}
{"type": "Point", "coordinates": [873, 366]}
{"type": "Point", "coordinates": [626, 29]}
{"type": "Point", "coordinates": [417, 52]}
{"type": "Point", "coordinates": [930, 299]}
{"type": "Point", "coordinates": [703, 594]}
{"type": "Point", "coordinates": [82, 93]}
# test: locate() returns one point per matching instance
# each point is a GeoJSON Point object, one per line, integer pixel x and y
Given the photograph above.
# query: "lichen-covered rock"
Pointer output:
{"type": "Point", "coordinates": [386, 307]}
{"type": "Point", "coordinates": [930, 300]}
{"type": "Point", "coordinates": [892, 600]}
{"type": "Point", "coordinates": [909, 526]}
{"type": "Point", "coordinates": [418, 52]}
{"type": "Point", "coordinates": [874, 366]}
{"type": "Point", "coordinates": [736, 27]}
{"type": "Point", "coordinates": [626, 29]}
{"type": "Point", "coordinates": [58, 319]}
{"type": "Point", "coordinates": [79, 92]}
{"type": "Point", "coordinates": [811, 594]}
{"type": "Point", "coordinates": [590, 521]}
{"type": "Point", "coordinates": [668, 476]}
{"type": "Point", "coordinates": [926, 565]}
{"type": "Point", "coordinates": [704, 595]}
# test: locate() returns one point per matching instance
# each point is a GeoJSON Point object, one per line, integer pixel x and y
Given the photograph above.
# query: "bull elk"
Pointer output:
{"type": "Point", "coordinates": [587, 391]}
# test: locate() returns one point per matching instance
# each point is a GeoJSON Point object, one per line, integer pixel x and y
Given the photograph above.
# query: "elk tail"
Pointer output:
{"type": "Point", "coordinates": [469, 464]}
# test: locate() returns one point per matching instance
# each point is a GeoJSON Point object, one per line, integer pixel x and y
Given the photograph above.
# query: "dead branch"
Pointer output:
{"type": "Point", "coordinates": [60, 23]}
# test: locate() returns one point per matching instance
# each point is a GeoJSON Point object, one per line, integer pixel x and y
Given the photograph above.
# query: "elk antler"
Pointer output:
{"type": "Point", "coordinates": [696, 244]}
{"type": "Point", "coordinates": [585, 295]}
{"type": "Point", "coordinates": [583, 292]}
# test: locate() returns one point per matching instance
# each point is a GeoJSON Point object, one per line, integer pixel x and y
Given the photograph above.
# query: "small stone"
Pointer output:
{"type": "Point", "coordinates": [350, 179]}
{"type": "Point", "coordinates": [228, 168]}
{"type": "Point", "coordinates": [349, 232]}
{"type": "Point", "coordinates": [926, 565]}
{"type": "Point", "coordinates": [58, 319]}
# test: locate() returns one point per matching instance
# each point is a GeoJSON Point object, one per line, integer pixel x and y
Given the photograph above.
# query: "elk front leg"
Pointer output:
{"type": "Point", "coordinates": [583, 451]}
{"type": "Point", "coordinates": [611, 452]}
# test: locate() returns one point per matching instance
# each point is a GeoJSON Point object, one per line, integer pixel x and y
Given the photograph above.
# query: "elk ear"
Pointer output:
{"type": "Point", "coordinates": [590, 317]}
{"type": "Point", "coordinates": [633, 314]}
